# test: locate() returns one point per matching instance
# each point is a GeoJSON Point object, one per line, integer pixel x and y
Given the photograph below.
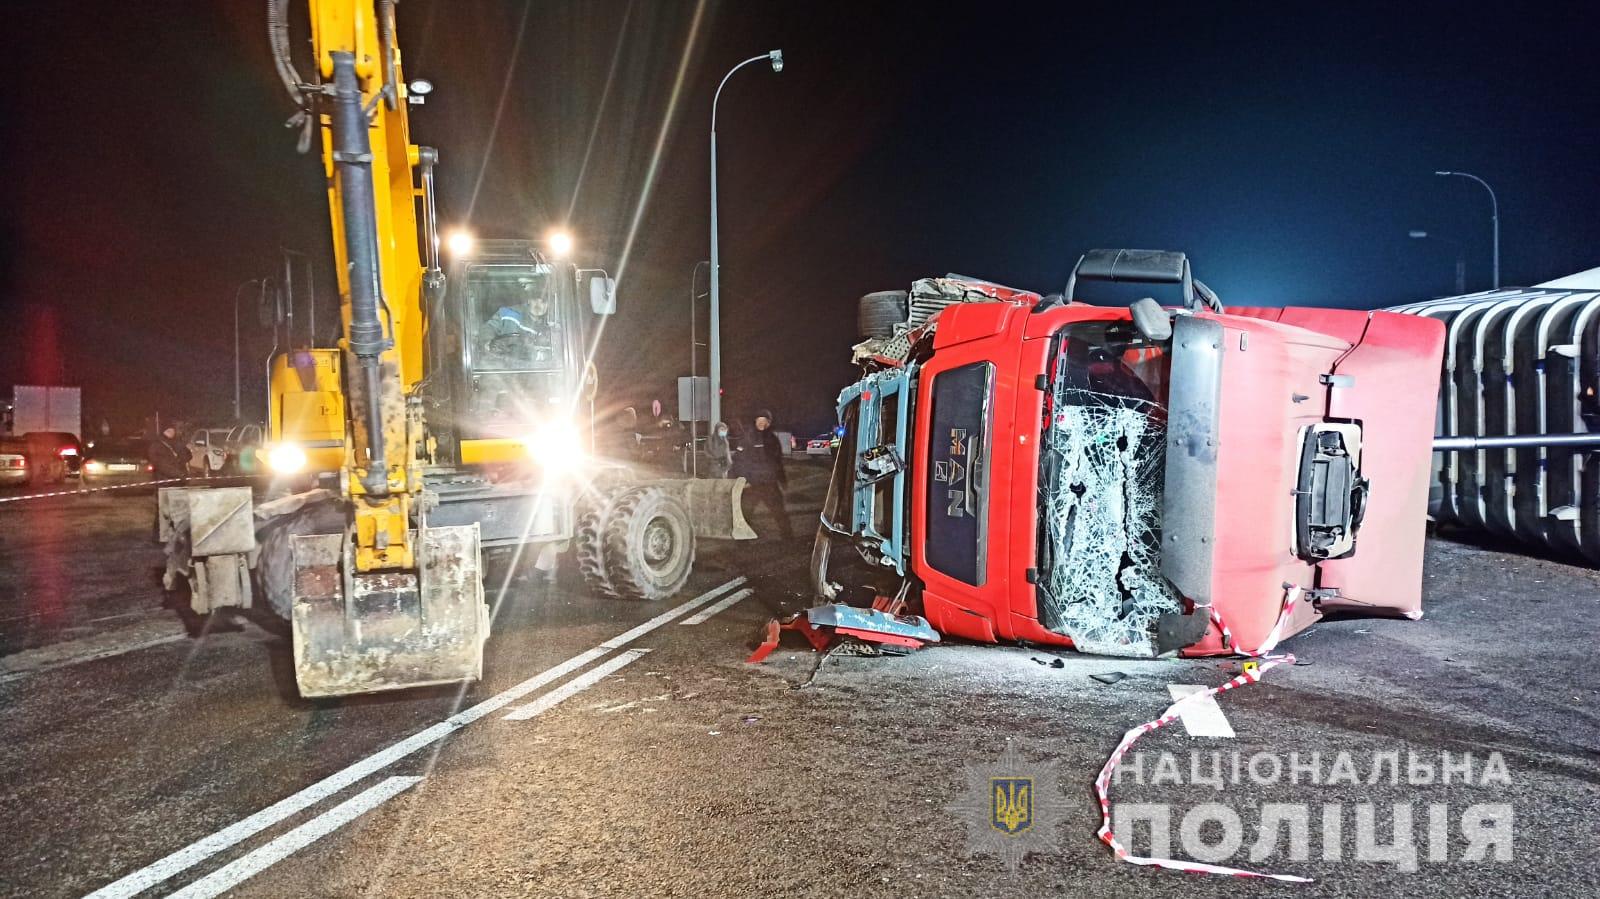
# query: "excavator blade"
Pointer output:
{"type": "Point", "coordinates": [362, 632]}
{"type": "Point", "coordinates": [714, 505]}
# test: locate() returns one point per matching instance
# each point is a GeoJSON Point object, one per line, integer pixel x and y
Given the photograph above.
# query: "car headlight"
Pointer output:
{"type": "Point", "coordinates": [556, 446]}
{"type": "Point", "coordinates": [286, 458]}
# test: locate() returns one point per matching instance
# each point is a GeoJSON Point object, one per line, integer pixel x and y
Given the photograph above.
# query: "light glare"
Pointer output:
{"type": "Point", "coordinates": [460, 242]}
{"type": "Point", "coordinates": [560, 243]}
{"type": "Point", "coordinates": [286, 458]}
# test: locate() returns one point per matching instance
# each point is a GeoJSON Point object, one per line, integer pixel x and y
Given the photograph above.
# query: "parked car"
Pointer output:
{"type": "Point", "coordinates": [243, 443]}
{"type": "Point", "coordinates": [65, 445]}
{"type": "Point", "coordinates": [215, 452]}
{"type": "Point", "coordinates": [208, 451]}
{"type": "Point", "coordinates": [823, 444]}
{"type": "Point", "coordinates": [109, 461]}
{"type": "Point", "coordinates": [13, 468]}
{"type": "Point", "coordinates": [42, 459]}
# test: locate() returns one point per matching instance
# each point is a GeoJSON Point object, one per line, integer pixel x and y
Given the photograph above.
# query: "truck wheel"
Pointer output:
{"type": "Point", "coordinates": [878, 313]}
{"type": "Point", "coordinates": [649, 545]}
{"type": "Point", "coordinates": [589, 544]}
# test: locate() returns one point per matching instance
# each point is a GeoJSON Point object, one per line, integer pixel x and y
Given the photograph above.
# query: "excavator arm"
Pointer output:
{"type": "Point", "coordinates": [387, 604]}
{"type": "Point", "coordinates": [369, 161]}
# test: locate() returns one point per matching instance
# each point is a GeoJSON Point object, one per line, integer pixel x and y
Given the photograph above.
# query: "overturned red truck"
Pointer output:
{"type": "Point", "coordinates": [1130, 480]}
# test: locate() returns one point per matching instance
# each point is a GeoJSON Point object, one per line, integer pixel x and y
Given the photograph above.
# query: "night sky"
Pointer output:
{"type": "Point", "coordinates": [147, 173]}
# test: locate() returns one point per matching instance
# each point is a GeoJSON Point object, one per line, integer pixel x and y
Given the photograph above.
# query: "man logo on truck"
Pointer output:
{"type": "Point", "coordinates": [953, 473]}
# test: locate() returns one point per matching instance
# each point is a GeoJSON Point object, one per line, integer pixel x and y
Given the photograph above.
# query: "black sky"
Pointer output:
{"type": "Point", "coordinates": [1287, 151]}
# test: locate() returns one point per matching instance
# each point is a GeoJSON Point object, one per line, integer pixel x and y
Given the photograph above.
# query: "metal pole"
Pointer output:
{"type": "Point", "coordinates": [237, 292]}
{"type": "Point", "coordinates": [1581, 440]}
{"type": "Point", "coordinates": [715, 335]}
{"type": "Point", "coordinates": [694, 373]}
{"type": "Point", "coordinates": [236, 356]}
{"type": "Point", "coordinates": [1494, 215]}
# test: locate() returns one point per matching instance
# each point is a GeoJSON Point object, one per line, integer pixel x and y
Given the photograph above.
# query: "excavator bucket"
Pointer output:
{"type": "Point", "coordinates": [714, 505]}
{"type": "Point", "coordinates": [361, 632]}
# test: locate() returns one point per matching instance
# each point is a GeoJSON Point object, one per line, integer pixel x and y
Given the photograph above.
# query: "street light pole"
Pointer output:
{"type": "Point", "coordinates": [715, 336]}
{"type": "Point", "coordinates": [1494, 210]}
{"type": "Point", "coordinates": [694, 374]}
{"type": "Point", "coordinates": [237, 291]}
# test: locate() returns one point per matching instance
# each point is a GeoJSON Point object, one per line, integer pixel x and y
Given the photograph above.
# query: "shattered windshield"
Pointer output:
{"type": "Point", "coordinates": [1101, 476]}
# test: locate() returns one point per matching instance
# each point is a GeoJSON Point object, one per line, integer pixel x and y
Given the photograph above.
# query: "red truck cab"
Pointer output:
{"type": "Point", "coordinates": [1123, 479]}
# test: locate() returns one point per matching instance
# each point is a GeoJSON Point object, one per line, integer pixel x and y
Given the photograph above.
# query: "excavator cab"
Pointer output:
{"type": "Point", "coordinates": [507, 348]}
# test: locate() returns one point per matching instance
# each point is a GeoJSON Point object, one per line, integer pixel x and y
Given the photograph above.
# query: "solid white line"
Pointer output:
{"type": "Point", "coordinates": [1201, 717]}
{"type": "Point", "coordinates": [238, 871]}
{"type": "Point", "coordinates": [202, 849]}
{"type": "Point", "coordinates": [91, 657]}
{"type": "Point", "coordinates": [716, 608]}
{"type": "Point", "coordinates": [573, 687]}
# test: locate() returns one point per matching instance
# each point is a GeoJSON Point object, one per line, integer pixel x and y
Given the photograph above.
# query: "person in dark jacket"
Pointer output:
{"type": "Point", "coordinates": [169, 458]}
{"type": "Point", "coordinates": [719, 453]}
{"type": "Point", "coordinates": [763, 468]}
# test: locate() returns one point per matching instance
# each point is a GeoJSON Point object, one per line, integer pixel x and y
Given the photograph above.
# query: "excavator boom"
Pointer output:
{"type": "Point", "coordinates": [386, 605]}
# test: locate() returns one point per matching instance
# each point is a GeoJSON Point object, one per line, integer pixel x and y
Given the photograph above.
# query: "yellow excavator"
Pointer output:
{"type": "Point", "coordinates": [455, 415]}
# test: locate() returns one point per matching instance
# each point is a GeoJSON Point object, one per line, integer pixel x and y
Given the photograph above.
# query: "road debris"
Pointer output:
{"type": "Point", "coordinates": [828, 627]}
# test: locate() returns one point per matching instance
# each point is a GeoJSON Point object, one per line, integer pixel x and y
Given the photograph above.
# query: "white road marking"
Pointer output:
{"type": "Point", "coordinates": [200, 850]}
{"type": "Point", "coordinates": [628, 637]}
{"type": "Point", "coordinates": [573, 687]}
{"type": "Point", "coordinates": [716, 608]}
{"type": "Point", "coordinates": [238, 871]}
{"type": "Point", "coordinates": [92, 657]}
{"type": "Point", "coordinates": [1201, 717]}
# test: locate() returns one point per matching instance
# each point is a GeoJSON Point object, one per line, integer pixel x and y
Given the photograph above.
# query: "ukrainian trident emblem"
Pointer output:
{"type": "Point", "coordinates": [1013, 804]}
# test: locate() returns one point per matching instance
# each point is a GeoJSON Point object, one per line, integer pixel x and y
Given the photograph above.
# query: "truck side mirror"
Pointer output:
{"type": "Point", "coordinates": [602, 294]}
{"type": "Point", "coordinates": [1151, 320]}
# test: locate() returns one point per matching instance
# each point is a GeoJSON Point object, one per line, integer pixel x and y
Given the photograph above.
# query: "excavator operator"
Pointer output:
{"type": "Point", "coordinates": [522, 332]}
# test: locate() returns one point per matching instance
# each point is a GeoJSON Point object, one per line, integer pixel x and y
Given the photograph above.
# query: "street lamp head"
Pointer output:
{"type": "Point", "coordinates": [1444, 173]}
{"type": "Point", "coordinates": [1419, 234]}
{"type": "Point", "coordinates": [777, 60]}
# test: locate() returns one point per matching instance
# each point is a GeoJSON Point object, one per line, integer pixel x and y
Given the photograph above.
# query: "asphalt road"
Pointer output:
{"type": "Point", "coordinates": [669, 767]}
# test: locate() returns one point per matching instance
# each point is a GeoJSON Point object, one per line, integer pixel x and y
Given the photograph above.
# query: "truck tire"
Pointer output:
{"type": "Point", "coordinates": [878, 313]}
{"type": "Point", "coordinates": [649, 545]}
{"type": "Point", "coordinates": [588, 539]}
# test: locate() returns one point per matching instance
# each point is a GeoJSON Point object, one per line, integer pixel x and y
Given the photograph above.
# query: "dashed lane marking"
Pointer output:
{"type": "Point", "coordinates": [716, 608]}
{"type": "Point", "coordinates": [238, 871]}
{"type": "Point", "coordinates": [1201, 717]}
{"type": "Point", "coordinates": [573, 687]}
{"type": "Point", "coordinates": [166, 868]}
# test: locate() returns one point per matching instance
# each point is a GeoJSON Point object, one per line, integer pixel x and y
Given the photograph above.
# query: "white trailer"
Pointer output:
{"type": "Point", "coordinates": [47, 409]}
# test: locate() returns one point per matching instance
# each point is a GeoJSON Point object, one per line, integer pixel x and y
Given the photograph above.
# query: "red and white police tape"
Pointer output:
{"type": "Point", "coordinates": [18, 499]}
{"type": "Point", "coordinates": [1251, 674]}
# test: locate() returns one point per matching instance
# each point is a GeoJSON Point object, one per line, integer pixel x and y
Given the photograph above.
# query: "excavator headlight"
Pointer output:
{"type": "Point", "coordinates": [557, 447]}
{"type": "Point", "coordinates": [286, 458]}
{"type": "Point", "coordinates": [460, 243]}
{"type": "Point", "coordinates": [560, 243]}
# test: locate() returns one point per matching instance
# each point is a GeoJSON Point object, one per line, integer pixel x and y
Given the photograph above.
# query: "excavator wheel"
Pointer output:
{"type": "Point", "coordinates": [588, 542]}
{"type": "Point", "coordinates": [649, 545]}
